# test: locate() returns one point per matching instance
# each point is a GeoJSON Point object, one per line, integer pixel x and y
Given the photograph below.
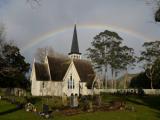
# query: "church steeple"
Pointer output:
{"type": "Point", "coordinates": [75, 54]}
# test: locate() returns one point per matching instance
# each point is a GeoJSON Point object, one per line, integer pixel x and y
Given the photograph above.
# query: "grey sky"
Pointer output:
{"type": "Point", "coordinates": [26, 24]}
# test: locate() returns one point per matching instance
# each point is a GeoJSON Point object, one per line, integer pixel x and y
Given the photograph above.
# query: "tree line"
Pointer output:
{"type": "Point", "coordinates": [13, 67]}
{"type": "Point", "coordinates": [150, 57]}
{"type": "Point", "coordinates": [108, 52]}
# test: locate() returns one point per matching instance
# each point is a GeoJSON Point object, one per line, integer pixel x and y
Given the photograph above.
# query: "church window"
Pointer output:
{"type": "Point", "coordinates": [68, 84]}
{"type": "Point", "coordinates": [71, 83]}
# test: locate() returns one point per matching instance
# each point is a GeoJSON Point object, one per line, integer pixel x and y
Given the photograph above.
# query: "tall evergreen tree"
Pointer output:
{"type": "Point", "coordinates": [13, 67]}
{"type": "Point", "coordinates": [150, 54]}
{"type": "Point", "coordinates": [142, 81]}
{"type": "Point", "coordinates": [104, 47]}
{"type": "Point", "coordinates": [127, 60]}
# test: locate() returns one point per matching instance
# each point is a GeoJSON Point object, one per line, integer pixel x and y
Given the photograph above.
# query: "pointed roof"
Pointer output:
{"type": "Point", "coordinates": [85, 71]}
{"type": "Point", "coordinates": [58, 68]}
{"type": "Point", "coordinates": [41, 72]}
{"type": "Point", "coordinates": [75, 47]}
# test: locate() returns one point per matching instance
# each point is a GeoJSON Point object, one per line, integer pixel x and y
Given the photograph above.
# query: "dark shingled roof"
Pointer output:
{"type": "Point", "coordinates": [58, 67]}
{"type": "Point", "coordinates": [75, 47]}
{"type": "Point", "coordinates": [41, 71]}
{"type": "Point", "coordinates": [85, 71]}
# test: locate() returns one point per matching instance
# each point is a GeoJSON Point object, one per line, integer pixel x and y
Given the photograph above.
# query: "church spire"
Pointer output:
{"type": "Point", "coordinates": [74, 46]}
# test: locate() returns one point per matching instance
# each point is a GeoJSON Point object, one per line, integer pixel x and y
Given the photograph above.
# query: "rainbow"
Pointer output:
{"type": "Point", "coordinates": [51, 34]}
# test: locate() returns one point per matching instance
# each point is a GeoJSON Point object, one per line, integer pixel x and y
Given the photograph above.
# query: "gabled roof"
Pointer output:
{"type": "Point", "coordinates": [58, 67]}
{"type": "Point", "coordinates": [75, 47]}
{"type": "Point", "coordinates": [85, 71]}
{"type": "Point", "coordinates": [41, 71]}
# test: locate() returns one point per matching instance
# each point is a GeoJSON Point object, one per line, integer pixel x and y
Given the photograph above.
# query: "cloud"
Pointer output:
{"type": "Point", "coordinates": [24, 23]}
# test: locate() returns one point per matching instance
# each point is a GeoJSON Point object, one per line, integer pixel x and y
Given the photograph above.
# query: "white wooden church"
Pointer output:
{"type": "Point", "coordinates": [59, 77]}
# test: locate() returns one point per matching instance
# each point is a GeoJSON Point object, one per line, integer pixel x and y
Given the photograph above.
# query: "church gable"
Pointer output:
{"type": "Point", "coordinates": [58, 67]}
{"type": "Point", "coordinates": [63, 75]}
{"type": "Point", "coordinates": [71, 81]}
{"type": "Point", "coordinates": [71, 70]}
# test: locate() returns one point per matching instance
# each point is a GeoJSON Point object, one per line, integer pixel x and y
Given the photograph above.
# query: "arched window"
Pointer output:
{"type": "Point", "coordinates": [68, 83]}
{"type": "Point", "coordinates": [71, 83]}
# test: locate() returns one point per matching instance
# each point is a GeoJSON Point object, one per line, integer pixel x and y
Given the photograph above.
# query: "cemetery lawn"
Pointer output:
{"type": "Point", "coordinates": [147, 108]}
{"type": "Point", "coordinates": [9, 112]}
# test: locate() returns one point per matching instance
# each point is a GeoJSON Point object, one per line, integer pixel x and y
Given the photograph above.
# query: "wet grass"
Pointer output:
{"type": "Point", "coordinates": [147, 108]}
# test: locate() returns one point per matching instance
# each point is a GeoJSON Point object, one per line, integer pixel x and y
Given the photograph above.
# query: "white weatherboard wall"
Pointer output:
{"type": "Point", "coordinates": [71, 71]}
{"type": "Point", "coordinates": [83, 90]}
{"type": "Point", "coordinates": [50, 88]}
{"type": "Point", "coordinates": [59, 88]}
{"type": "Point", "coordinates": [35, 88]}
{"type": "Point", "coordinates": [35, 85]}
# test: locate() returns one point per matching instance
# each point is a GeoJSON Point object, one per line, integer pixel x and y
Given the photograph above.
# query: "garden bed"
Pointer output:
{"type": "Point", "coordinates": [113, 106]}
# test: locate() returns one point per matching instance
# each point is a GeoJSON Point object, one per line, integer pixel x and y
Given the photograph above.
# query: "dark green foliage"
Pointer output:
{"type": "Point", "coordinates": [140, 81]}
{"type": "Point", "coordinates": [14, 59]}
{"type": "Point", "coordinates": [150, 58]}
{"type": "Point", "coordinates": [156, 75]}
{"type": "Point", "coordinates": [111, 34]}
{"type": "Point", "coordinates": [157, 15]}
{"type": "Point", "coordinates": [151, 52]}
{"type": "Point", "coordinates": [107, 52]}
{"type": "Point", "coordinates": [104, 52]}
{"type": "Point", "coordinates": [127, 57]}
{"type": "Point", "coordinates": [13, 66]}
{"type": "Point", "coordinates": [103, 48]}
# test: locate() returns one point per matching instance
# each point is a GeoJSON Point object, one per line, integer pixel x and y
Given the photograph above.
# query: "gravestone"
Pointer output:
{"type": "Point", "coordinates": [45, 109]}
{"type": "Point", "coordinates": [98, 100]}
{"type": "Point", "coordinates": [73, 100]}
{"type": "Point", "coordinates": [46, 113]}
{"type": "Point", "coordinates": [85, 103]}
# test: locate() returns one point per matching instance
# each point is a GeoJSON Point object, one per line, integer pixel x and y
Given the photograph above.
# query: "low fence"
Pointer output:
{"type": "Point", "coordinates": [112, 91]}
{"type": "Point", "coordinates": [14, 91]}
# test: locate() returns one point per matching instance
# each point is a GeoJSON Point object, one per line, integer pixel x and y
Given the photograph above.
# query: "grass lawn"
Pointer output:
{"type": "Point", "coordinates": [9, 112]}
{"type": "Point", "coordinates": [147, 108]}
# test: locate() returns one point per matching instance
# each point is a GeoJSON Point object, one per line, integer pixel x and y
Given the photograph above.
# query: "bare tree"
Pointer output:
{"type": "Point", "coordinates": [34, 1]}
{"type": "Point", "coordinates": [41, 53]}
